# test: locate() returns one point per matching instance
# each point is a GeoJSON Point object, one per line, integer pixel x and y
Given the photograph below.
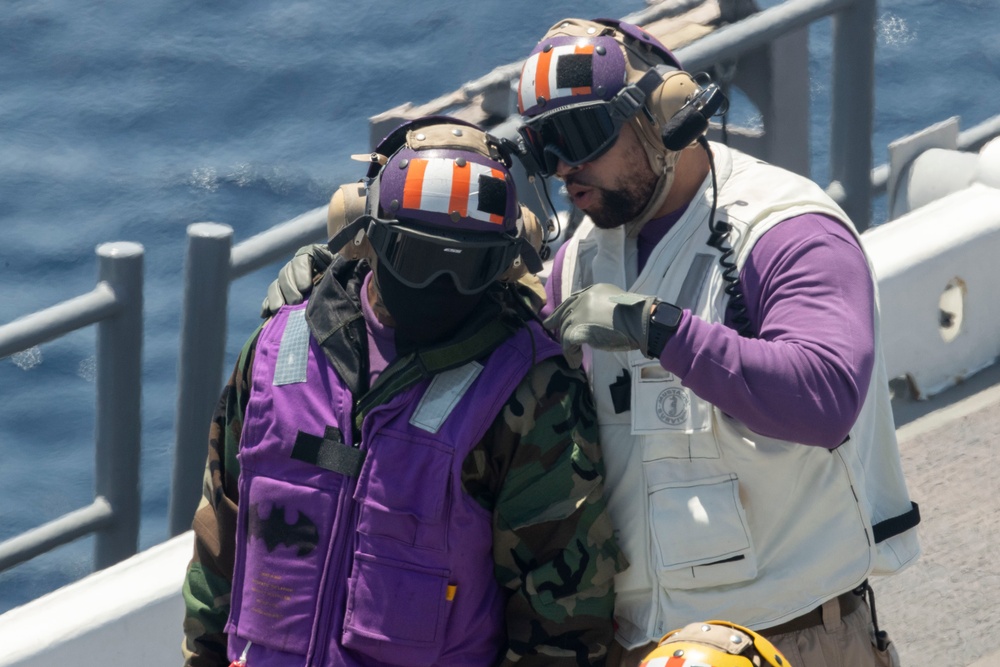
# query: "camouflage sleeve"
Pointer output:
{"type": "Point", "coordinates": [208, 583]}
{"type": "Point", "coordinates": [541, 473]}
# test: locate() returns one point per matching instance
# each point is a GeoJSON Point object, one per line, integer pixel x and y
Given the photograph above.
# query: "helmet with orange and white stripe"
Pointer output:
{"type": "Point", "coordinates": [586, 80]}
{"type": "Point", "coordinates": [441, 200]}
{"type": "Point", "coordinates": [714, 644]}
{"type": "Point", "coordinates": [450, 177]}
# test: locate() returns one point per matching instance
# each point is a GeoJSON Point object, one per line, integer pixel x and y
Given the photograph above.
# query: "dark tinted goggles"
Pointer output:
{"type": "Point", "coordinates": [574, 135]}
{"type": "Point", "coordinates": [416, 256]}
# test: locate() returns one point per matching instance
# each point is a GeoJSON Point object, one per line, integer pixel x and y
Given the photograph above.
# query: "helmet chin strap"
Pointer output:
{"type": "Point", "coordinates": [662, 162]}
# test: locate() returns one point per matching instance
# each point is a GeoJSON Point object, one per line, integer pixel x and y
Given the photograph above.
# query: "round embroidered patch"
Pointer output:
{"type": "Point", "coordinates": [672, 406]}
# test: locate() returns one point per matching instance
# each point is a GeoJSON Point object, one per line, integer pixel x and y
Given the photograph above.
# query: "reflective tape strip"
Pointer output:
{"type": "Point", "coordinates": [690, 295]}
{"type": "Point", "coordinates": [460, 178]}
{"type": "Point", "coordinates": [440, 185]}
{"type": "Point", "coordinates": [293, 353]}
{"type": "Point", "coordinates": [540, 77]}
{"type": "Point", "coordinates": [414, 184]}
{"type": "Point", "coordinates": [443, 394]}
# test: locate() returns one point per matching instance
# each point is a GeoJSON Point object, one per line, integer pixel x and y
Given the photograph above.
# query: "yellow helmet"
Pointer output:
{"type": "Point", "coordinates": [714, 644]}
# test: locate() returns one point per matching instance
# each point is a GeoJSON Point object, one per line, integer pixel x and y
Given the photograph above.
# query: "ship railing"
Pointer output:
{"type": "Point", "coordinates": [211, 264]}
{"type": "Point", "coordinates": [115, 307]}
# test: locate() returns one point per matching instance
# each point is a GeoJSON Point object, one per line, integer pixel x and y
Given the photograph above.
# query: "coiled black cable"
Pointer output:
{"type": "Point", "coordinates": [719, 239]}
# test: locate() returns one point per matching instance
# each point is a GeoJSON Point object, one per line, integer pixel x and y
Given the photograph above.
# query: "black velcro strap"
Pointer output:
{"type": "Point", "coordinates": [328, 452]}
{"type": "Point", "coordinates": [883, 530]}
{"type": "Point", "coordinates": [575, 70]}
{"type": "Point", "coordinates": [492, 195]}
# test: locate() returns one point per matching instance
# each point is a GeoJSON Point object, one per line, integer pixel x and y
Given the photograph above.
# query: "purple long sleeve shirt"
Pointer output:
{"type": "Point", "coordinates": [804, 374]}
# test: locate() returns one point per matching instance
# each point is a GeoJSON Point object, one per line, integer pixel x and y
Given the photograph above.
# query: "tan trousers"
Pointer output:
{"type": "Point", "coordinates": [839, 642]}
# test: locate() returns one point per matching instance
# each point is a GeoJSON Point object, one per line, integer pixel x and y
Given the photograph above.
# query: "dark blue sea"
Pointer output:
{"type": "Point", "coordinates": [128, 121]}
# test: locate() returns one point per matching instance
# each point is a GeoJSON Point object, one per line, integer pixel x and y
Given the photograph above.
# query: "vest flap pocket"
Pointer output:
{"type": "Point", "coordinates": [287, 528]}
{"type": "Point", "coordinates": [660, 404]}
{"type": "Point", "coordinates": [700, 534]}
{"type": "Point", "coordinates": [406, 476]}
{"type": "Point", "coordinates": [396, 612]}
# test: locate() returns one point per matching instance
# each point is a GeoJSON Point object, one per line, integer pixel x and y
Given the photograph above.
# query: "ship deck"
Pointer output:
{"type": "Point", "coordinates": [943, 609]}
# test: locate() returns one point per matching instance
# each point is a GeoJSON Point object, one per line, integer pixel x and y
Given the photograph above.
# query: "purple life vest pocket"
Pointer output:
{"type": "Point", "coordinates": [404, 491]}
{"type": "Point", "coordinates": [396, 612]}
{"type": "Point", "coordinates": [288, 528]}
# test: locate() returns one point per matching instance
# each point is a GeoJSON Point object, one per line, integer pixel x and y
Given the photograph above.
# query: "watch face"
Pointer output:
{"type": "Point", "coordinates": [667, 315]}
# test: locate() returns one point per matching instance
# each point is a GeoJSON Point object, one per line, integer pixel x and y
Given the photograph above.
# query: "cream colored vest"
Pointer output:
{"type": "Point", "coordinates": [718, 521]}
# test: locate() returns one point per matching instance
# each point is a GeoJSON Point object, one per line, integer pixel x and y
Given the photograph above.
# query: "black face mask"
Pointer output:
{"type": "Point", "coordinates": [427, 314]}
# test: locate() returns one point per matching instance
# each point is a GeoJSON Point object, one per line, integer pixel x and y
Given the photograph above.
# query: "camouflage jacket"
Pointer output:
{"type": "Point", "coordinates": [552, 539]}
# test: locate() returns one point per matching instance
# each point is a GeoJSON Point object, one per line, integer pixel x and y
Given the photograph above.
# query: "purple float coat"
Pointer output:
{"type": "Point", "coordinates": [804, 375]}
{"type": "Point", "coordinates": [387, 561]}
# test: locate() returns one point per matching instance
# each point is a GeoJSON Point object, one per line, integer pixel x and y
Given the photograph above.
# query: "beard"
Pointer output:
{"type": "Point", "coordinates": [623, 202]}
{"type": "Point", "coordinates": [619, 206]}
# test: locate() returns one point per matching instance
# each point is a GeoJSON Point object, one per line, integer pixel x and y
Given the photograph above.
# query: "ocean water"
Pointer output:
{"type": "Point", "coordinates": [129, 121]}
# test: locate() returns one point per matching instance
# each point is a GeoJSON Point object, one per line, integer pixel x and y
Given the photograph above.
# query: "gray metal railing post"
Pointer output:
{"type": "Point", "coordinates": [119, 397]}
{"type": "Point", "coordinates": [203, 347]}
{"type": "Point", "coordinates": [853, 105]}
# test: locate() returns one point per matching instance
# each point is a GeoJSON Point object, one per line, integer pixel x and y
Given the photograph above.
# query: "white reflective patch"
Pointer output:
{"type": "Point", "coordinates": [435, 195]}
{"type": "Point", "coordinates": [443, 394]}
{"type": "Point", "coordinates": [293, 354]}
{"type": "Point", "coordinates": [526, 89]}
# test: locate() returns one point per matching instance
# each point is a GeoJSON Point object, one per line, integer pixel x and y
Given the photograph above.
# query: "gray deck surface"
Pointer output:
{"type": "Point", "coordinates": [945, 609]}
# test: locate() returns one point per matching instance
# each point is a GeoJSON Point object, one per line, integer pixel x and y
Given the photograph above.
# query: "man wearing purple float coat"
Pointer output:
{"type": "Point", "coordinates": [403, 470]}
{"type": "Point", "coordinates": [728, 320]}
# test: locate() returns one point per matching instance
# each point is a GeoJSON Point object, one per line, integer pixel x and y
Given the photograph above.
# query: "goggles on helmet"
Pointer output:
{"type": "Point", "coordinates": [583, 132]}
{"type": "Point", "coordinates": [417, 256]}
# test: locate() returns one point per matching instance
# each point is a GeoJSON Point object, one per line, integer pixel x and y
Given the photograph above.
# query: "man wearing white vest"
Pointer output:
{"type": "Point", "coordinates": [728, 320]}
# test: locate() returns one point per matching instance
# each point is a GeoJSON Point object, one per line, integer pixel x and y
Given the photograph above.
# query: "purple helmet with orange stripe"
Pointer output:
{"type": "Point", "coordinates": [441, 200]}
{"type": "Point", "coordinates": [451, 177]}
{"type": "Point", "coordinates": [584, 61]}
{"type": "Point", "coordinates": [585, 81]}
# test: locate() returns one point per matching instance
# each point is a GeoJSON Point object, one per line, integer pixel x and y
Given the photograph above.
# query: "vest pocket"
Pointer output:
{"type": "Point", "coordinates": [700, 534]}
{"type": "Point", "coordinates": [672, 420]}
{"type": "Point", "coordinates": [403, 491]}
{"type": "Point", "coordinates": [396, 612]}
{"type": "Point", "coordinates": [287, 529]}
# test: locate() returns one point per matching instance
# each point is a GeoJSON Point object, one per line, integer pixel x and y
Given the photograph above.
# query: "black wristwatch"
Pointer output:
{"type": "Point", "coordinates": [663, 324]}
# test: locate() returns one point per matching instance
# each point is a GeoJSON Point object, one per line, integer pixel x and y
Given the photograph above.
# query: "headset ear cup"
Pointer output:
{"type": "Point", "coordinates": [684, 129]}
{"type": "Point", "coordinates": [347, 205]}
{"type": "Point", "coordinates": [669, 104]}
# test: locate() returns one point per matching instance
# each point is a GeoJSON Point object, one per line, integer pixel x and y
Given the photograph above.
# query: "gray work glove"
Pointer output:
{"type": "Point", "coordinates": [296, 278]}
{"type": "Point", "coordinates": [603, 316]}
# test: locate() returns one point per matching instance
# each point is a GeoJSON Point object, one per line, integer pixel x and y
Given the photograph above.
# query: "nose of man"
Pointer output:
{"type": "Point", "coordinates": [563, 169]}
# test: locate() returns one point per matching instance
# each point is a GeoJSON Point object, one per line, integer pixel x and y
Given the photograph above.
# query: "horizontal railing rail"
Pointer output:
{"type": "Point", "coordinates": [115, 306]}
